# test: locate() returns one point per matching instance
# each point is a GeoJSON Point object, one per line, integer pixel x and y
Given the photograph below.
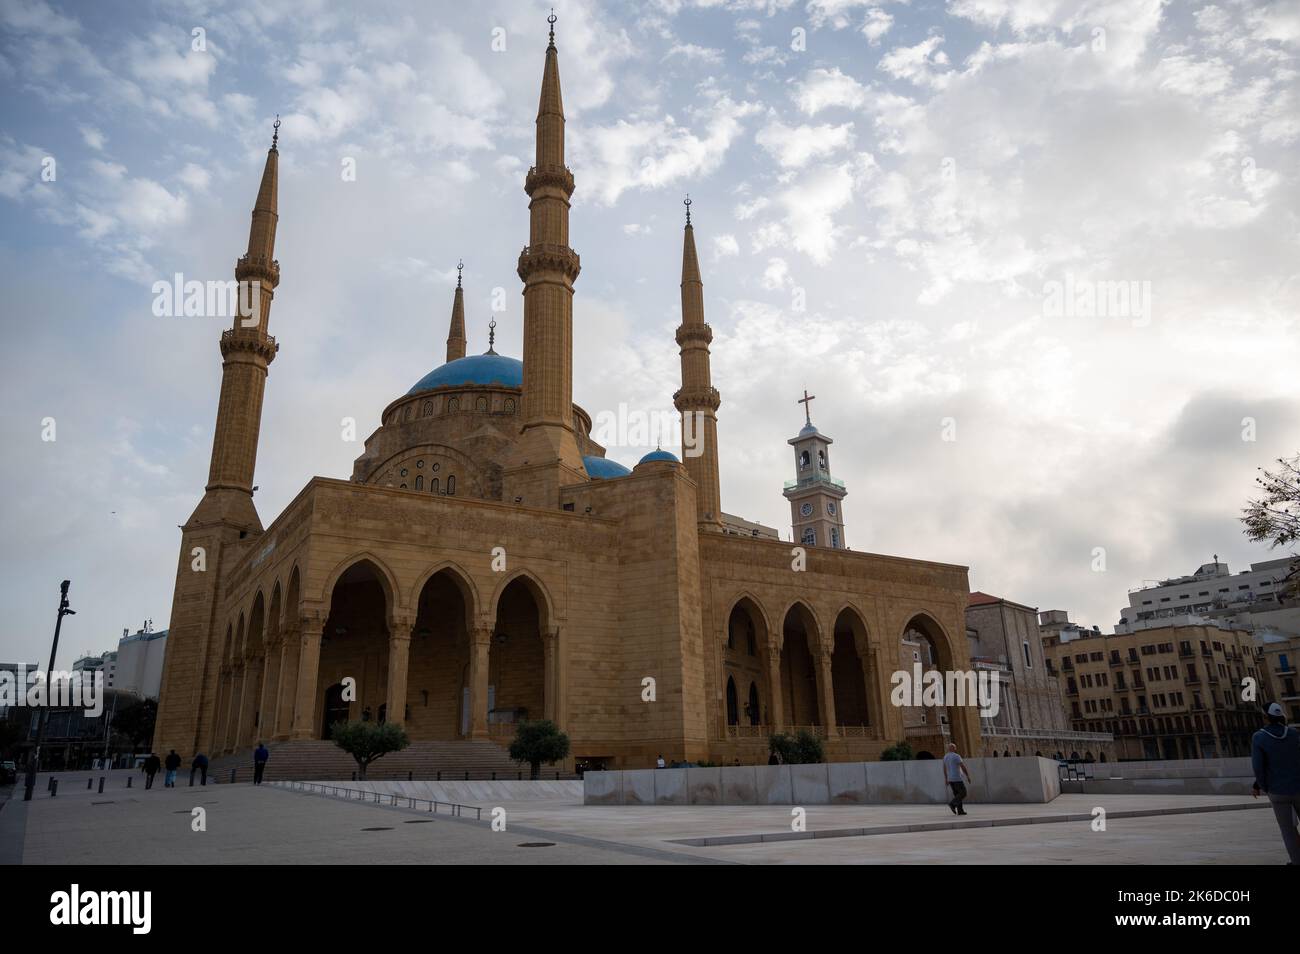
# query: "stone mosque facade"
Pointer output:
{"type": "Point", "coordinates": [487, 564]}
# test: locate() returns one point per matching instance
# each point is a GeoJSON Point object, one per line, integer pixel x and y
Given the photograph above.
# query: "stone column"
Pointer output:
{"type": "Point", "coordinates": [269, 692]}
{"type": "Point", "coordinates": [252, 699]}
{"type": "Point", "coordinates": [479, 656]}
{"type": "Point", "coordinates": [550, 648]}
{"type": "Point", "coordinates": [304, 710]}
{"type": "Point", "coordinates": [236, 706]}
{"type": "Point", "coordinates": [218, 739]}
{"type": "Point", "coordinates": [774, 704]}
{"type": "Point", "coordinates": [399, 655]}
{"type": "Point", "coordinates": [826, 690]}
{"type": "Point", "coordinates": [287, 693]}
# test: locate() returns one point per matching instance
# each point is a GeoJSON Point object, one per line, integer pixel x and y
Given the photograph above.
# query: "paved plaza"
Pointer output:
{"type": "Point", "coordinates": [270, 825]}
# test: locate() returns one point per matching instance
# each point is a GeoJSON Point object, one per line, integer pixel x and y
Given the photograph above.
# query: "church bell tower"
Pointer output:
{"type": "Point", "coordinates": [816, 514]}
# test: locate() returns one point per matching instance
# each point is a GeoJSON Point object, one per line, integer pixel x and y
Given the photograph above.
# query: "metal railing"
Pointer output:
{"type": "Point", "coordinates": [381, 798]}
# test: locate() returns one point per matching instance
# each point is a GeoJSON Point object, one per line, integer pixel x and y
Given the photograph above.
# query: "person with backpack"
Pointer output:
{"type": "Point", "coordinates": [1275, 757]}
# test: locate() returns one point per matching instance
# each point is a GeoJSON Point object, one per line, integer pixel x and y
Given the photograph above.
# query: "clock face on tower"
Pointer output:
{"type": "Point", "coordinates": [806, 510]}
{"type": "Point", "coordinates": [831, 508]}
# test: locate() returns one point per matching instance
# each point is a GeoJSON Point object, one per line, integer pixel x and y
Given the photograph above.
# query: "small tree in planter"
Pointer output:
{"type": "Point", "coordinates": [809, 748]}
{"type": "Point", "coordinates": [539, 741]}
{"type": "Point", "coordinates": [368, 741]}
{"type": "Point", "coordinates": [898, 752]}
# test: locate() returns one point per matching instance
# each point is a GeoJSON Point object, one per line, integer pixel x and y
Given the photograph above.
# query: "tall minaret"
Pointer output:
{"type": "Point", "coordinates": [698, 399]}
{"type": "Point", "coordinates": [816, 516]}
{"type": "Point", "coordinates": [225, 522]}
{"type": "Point", "coordinates": [247, 350]}
{"type": "Point", "coordinates": [456, 335]}
{"type": "Point", "coordinates": [546, 454]}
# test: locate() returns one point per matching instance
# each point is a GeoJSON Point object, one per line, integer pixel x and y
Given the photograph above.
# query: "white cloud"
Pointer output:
{"type": "Point", "coordinates": [826, 88]}
{"type": "Point", "coordinates": [794, 146]}
{"type": "Point", "coordinates": [725, 246]}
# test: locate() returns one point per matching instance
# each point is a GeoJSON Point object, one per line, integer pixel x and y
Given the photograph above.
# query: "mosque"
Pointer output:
{"type": "Point", "coordinates": [486, 564]}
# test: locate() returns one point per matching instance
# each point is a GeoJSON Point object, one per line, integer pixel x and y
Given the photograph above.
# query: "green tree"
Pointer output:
{"type": "Point", "coordinates": [802, 749]}
{"type": "Point", "coordinates": [538, 741]}
{"type": "Point", "coordinates": [136, 723]}
{"type": "Point", "coordinates": [368, 741]}
{"type": "Point", "coordinates": [898, 752]}
{"type": "Point", "coordinates": [1274, 518]}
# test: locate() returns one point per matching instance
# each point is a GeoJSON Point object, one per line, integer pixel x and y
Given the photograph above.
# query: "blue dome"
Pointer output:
{"type": "Point", "coordinates": [482, 369]}
{"type": "Point", "coordinates": [601, 468]}
{"type": "Point", "coordinates": [808, 430]}
{"type": "Point", "coordinates": [659, 455]}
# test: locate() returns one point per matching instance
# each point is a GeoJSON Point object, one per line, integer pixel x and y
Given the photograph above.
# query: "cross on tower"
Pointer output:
{"type": "Point", "coordinates": [806, 405]}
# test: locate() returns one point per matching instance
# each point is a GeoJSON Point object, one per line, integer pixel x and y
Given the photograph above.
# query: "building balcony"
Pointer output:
{"type": "Point", "coordinates": [814, 480]}
{"type": "Point", "coordinates": [1116, 661]}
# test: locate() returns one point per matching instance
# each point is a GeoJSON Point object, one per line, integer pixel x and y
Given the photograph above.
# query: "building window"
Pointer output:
{"type": "Point", "coordinates": [810, 536]}
{"type": "Point", "coordinates": [480, 404]}
{"type": "Point", "coordinates": [419, 482]}
{"type": "Point", "coordinates": [835, 537]}
{"type": "Point", "coordinates": [451, 485]}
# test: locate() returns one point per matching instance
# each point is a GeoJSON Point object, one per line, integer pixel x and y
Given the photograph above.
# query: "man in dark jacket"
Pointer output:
{"type": "Point", "coordinates": [172, 763]}
{"type": "Point", "coordinates": [200, 764]}
{"type": "Point", "coordinates": [260, 755]}
{"type": "Point", "coordinates": [1275, 756]}
{"type": "Point", "coordinates": [150, 767]}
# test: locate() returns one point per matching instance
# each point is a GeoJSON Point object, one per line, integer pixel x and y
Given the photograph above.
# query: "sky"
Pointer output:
{"type": "Point", "coordinates": [909, 209]}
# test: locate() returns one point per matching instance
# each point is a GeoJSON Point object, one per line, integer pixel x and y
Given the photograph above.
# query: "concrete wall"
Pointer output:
{"type": "Point", "coordinates": [1173, 777]}
{"type": "Point", "coordinates": [1015, 780]}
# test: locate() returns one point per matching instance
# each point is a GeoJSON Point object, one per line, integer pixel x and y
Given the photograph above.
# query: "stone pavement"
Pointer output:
{"type": "Point", "coordinates": [268, 825]}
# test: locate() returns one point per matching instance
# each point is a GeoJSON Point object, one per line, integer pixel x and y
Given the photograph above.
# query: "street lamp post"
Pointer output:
{"type": "Point", "coordinates": [35, 760]}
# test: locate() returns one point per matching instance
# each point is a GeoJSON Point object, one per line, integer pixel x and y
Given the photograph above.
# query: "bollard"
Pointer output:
{"type": "Point", "coordinates": [410, 776]}
{"type": "Point", "coordinates": [439, 778]}
{"type": "Point", "coordinates": [519, 776]}
{"type": "Point", "coordinates": [54, 788]}
{"type": "Point", "coordinates": [101, 785]}
{"type": "Point", "coordinates": [494, 776]}
{"type": "Point", "coordinates": [129, 780]}
{"type": "Point", "coordinates": [232, 776]}
{"type": "Point", "coordinates": [354, 776]}
{"type": "Point", "coordinates": [467, 776]}
{"type": "Point", "coordinates": [90, 783]}
{"type": "Point", "coordinates": [49, 783]}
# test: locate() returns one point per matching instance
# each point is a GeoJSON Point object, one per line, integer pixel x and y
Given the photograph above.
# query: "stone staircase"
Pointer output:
{"type": "Point", "coordinates": [315, 760]}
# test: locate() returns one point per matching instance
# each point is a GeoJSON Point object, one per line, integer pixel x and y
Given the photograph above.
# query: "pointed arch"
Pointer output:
{"type": "Point", "coordinates": [458, 575]}
{"type": "Point", "coordinates": [539, 593]}
{"type": "Point", "coordinates": [275, 615]}
{"type": "Point", "coordinates": [757, 612]}
{"type": "Point", "coordinates": [253, 641]}
{"type": "Point", "coordinates": [293, 593]}
{"type": "Point", "coordinates": [804, 614]}
{"type": "Point", "coordinates": [386, 577]}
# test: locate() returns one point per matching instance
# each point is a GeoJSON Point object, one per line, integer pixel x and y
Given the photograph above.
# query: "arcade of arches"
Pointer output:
{"type": "Point", "coordinates": [458, 677]}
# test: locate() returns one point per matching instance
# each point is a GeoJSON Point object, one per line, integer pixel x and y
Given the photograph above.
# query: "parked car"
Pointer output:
{"type": "Point", "coordinates": [8, 773]}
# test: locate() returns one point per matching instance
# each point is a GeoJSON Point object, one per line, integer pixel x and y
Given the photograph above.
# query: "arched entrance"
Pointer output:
{"type": "Point", "coordinates": [849, 674]}
{"type": "Point", "coordinates": [437, 684]}
{"type": "Point", "coordinates": [745, 662]}
{"type": "Point", "coordinates": [354, 642]}
{"type": "Point", "coordinates": [517, 659]}
{"type": "Point", "coordinates": [799, 688]}
{"type": "Point", "coordinates": [930, 719]}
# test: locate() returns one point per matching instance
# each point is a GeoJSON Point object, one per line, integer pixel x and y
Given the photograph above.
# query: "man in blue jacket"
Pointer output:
{"type": "Point", "coordinates": [1275, 756]}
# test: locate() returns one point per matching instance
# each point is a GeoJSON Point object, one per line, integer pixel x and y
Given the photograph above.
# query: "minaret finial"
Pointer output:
{"type": "Point", "coordinates": [492, 337]}
{"type": "Point", "coordinates": [460, 265]}
{"type": "Point", "coordinates": [687, 203]}
{"type": "Point", "coordinates": [551, 21]}
{"type": "Point", "coordinates": [275, 136]}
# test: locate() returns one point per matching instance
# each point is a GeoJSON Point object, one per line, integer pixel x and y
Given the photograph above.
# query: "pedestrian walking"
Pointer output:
{"type": "Point", "coordinates": [172, 763]}
{"type": "Point", "coordinates": [200, 765]}
{"type": "Point", "coordinates": [953, 769]}
{"type": "Point", "coordinates": [150, 767]}
{"type": "Point", "coordinates": [260, 755]}
{"type": "Point", "coordinates": [1275, 757]}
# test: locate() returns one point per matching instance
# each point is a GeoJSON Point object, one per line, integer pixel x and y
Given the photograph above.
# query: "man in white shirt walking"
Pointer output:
{"type": "Point", "coordinates": [953, 769]}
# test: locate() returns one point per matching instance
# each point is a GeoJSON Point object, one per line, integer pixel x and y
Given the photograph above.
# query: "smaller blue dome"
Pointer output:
{"type": "Point", "coordinates": [601, 468]}
{"type": "Point", "coordinates": [480, 369]}
{"type": "Point", "coordinates": [808, 430]}
{"type": "Point", "coordinates": [658, 454]}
